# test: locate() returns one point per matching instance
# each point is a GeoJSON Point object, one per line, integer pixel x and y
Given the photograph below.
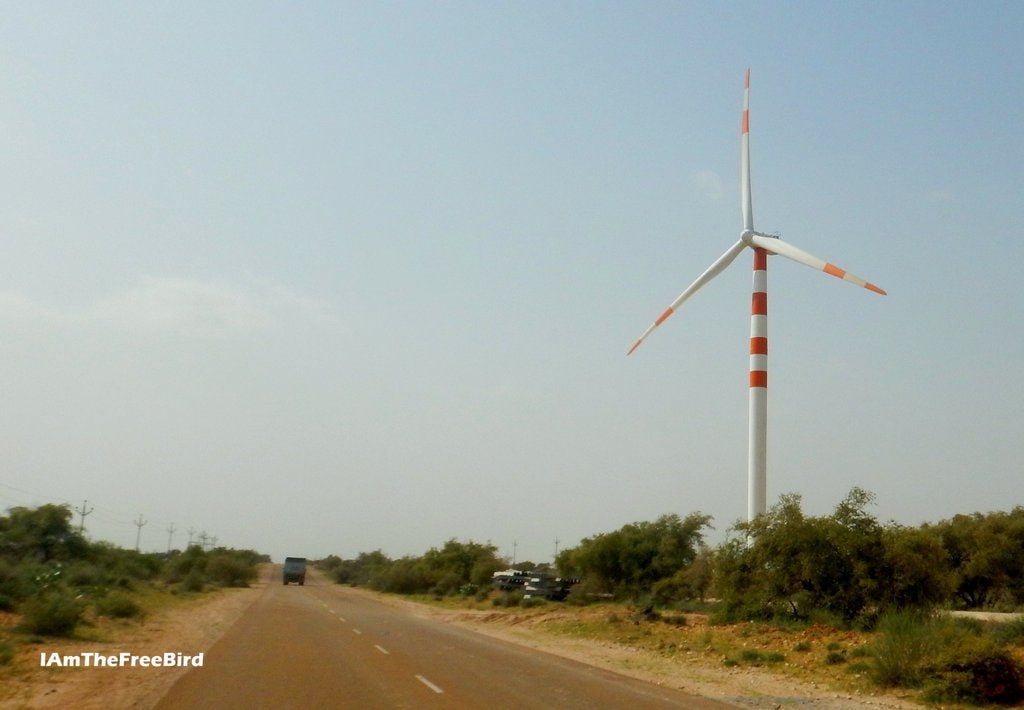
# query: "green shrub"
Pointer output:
{"type": "Point", "coordinates": [506, 599]}
{"type": "Point", "coordinates": [802, 647]}
{"type": "Point", "coordinates": [6, 653]}
{"type": "Point", "coordinates": [833, 646]}
{"type": "Point", "coordinates": [228, 570]}
{"type": "Point", "coordinates": [585, 592]}
{"type": "Point", "coordinates": [905, 641]}
{"type": "Point", "coordinates": [749, 655]}
{"type": "Point", "coordinates": [194, 581]}
{"type": "Point", "coordinates": [834, 658]}
{"type": "Point", "coordinates": [859, 667]}
{"type": "Point", "coordinates": [860, 652]}
{"type": "Point", "coordinates": [482, 594]}
{"type": "Point", "coordinates": [774, 657]}
{"type": "Point", "coordinates": [1010, 633]}
{"type": "Point", "coordinates": [528, 602]}
{"type": "Point", "coordinates": [54, 613]}
{"type": "Point", "coordinates": [975, 670]}
{"type": "Point", "coordinates": [118, 605]}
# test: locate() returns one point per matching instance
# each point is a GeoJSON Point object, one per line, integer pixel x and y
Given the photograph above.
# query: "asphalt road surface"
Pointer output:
{"type": "Point", "coordinates": [321, 646]}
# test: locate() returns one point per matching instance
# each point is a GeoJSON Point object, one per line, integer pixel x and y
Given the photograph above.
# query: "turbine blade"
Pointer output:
{"type": "Point", "coordinates": [745, 201]}
{"type": "Point", "coordinates": [711, 272]}
{"type": "Point", "coordinates": [777, 246]}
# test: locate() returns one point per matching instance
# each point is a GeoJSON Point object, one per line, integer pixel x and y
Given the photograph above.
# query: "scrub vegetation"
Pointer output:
{"type": "Point", "coordinates": [55, 582]}
{"type": "Point", "coordinates": [879, 590]}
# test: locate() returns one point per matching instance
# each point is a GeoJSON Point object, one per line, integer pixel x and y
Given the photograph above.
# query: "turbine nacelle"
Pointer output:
{"type": "Point", "coordinates": [747, 237]}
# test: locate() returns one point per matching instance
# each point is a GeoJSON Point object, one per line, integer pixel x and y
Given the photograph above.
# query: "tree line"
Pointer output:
{"type": "Point", "coordinates": [846, 566]}
{"type": "Point", "coordinates": [52, 576]}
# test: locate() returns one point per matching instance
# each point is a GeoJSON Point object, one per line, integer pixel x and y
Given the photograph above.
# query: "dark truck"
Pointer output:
{"type": "Point", "coordinates": [295, 570]}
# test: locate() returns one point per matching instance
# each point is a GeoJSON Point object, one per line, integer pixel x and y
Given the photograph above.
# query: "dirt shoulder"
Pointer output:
{"type": "Point", "coordinates": [189, 628]}
{"type": "Point", "coordinates": [681, 663]}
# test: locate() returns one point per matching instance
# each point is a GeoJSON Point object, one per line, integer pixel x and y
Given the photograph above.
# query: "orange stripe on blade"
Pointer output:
{"type": "Point", "coordinates": [758, 378]}
{"type": "Point", "coordinates": [874, 288]}
{"type": "Point", "coordinates": [759, 304]}
{"type": "Point", "coordinates": [746, 122]}
{"type": "Point", "coordinates": [663, 316]}
{"type": "Point", "coordinates": [833, 270]}
{"type": "Point", "coordinates": [759, 346]}
{"type": "Point", "coordinates": [748, 78]}
{"type": "Point", "coordinates": [635, 346]}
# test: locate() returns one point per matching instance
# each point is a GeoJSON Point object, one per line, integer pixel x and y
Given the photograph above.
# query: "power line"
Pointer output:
{"type": "Point", "coordinates": [138, 533]}
{"type": "Point", "coordinates": [83, 512]}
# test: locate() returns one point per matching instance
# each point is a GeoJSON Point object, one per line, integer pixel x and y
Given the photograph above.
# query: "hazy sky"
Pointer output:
{"type": "Point", "coordinates": [330, 277]}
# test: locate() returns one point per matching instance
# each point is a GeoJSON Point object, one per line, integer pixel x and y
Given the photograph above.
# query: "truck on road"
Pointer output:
{"type": "Point", "coordinates": [295, 570]}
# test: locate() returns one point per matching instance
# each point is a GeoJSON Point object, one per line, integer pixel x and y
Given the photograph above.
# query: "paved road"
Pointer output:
{"type": "Point", "coordinates": [323, 646]}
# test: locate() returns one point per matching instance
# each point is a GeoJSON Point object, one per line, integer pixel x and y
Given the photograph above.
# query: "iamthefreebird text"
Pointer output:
{"type": "Point", "coordinates": [90, 659]}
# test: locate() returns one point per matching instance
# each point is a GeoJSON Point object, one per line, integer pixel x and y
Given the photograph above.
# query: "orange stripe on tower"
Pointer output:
{"type": "Point", "coordinates": [760, 260]}
{"type": "Point", "coordinates": [759, 304]}
{"type": "Point", "coordinates": [759, 346]}
{"type": "Point", "coordinates": [758, 378]}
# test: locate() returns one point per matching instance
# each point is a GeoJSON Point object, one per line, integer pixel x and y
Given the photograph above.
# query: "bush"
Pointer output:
{"type": "Point", "coordinates": [228, 570]}
{"type": "Point", "coordinates": [905, 641]}
{"type": "Point", "coordinates": [751, 656]}
{"type": "Point", "coordinates": [975, 670]}
{"type": "Point", "coordinates": [834, 658]}
{"type": "Point", "coordinates": [507, 599]}
{"type": "Point", "coordinates": [586, 592]}
{"type": "Point", "coordinates": [55, 613]}
{"type": "Point", "coordinates": [528, 602]}
{"type": "Point", "coordinates": [1010, 633]}
{"type": "Point", "coordinates": [118, 605]}
{"type": "Point", "coordinates": [194, 581]}
{"type": "Point", "coordinates": [6, 653]}
{"type": "Point", "coordinates": [802, 647]}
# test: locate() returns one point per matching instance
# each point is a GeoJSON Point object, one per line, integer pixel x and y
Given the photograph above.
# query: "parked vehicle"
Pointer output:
{"type": "Point", "coordinates": [548, 586]}
{"type": "Point", "coordinates": [295, 570]}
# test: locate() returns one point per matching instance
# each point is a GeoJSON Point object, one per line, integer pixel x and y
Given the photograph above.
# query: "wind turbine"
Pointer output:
{"type": "Point", "coordinates": [763, 245]}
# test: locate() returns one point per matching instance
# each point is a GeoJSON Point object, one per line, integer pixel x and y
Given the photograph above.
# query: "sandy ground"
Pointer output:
{"type": "Point", "coordinates": [196, 627]}
{"type": "Point", "coordinates": [187, 629]}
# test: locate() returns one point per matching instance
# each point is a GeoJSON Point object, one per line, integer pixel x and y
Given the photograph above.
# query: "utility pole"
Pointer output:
{"type": "Point", "coordinates": [138, 533]}
{"type": "Point", "coordinates": [556, 547]}
{"type": "Point", "coordinates": [191, 532]}
{"type": "Point", "coordinates": [83, 512]}
{"type": "Point", "coordinates": [515, 548]}
{"type": "Point", "coordinates": [202, 540]}
{"type": "Point", "coordinates": [213, 542]}
{"type": "Point", "coordinates": [170, 533]}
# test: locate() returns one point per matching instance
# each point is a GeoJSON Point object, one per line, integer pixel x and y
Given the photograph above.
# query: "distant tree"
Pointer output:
{"type": "Point", "coordinates": [986, 554]}
{"type": "Point", "coordinates": [919, 574]}
{"type": "Point", "coordinates": [42, 533]}
{"type": "Point", "coordinates": [787, 563]}
{"type": "Point", "coordinates": [630, 560]}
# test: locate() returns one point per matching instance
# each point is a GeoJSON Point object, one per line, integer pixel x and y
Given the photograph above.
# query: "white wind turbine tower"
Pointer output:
{"type": "Point", "coordinates": [762, 244]}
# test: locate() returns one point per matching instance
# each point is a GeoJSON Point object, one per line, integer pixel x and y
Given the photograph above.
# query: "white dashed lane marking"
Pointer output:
{"type": "Point", "coordinates": [430, 685]}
